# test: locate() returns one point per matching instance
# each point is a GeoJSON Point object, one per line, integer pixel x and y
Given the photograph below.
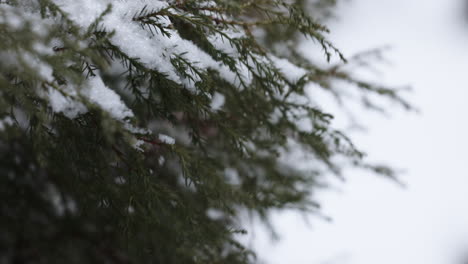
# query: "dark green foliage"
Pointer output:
{"type": "Point", "coordinates": [76, 190]}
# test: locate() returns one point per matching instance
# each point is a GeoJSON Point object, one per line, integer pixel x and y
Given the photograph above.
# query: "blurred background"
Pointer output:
{"type": "Point", "coordinates": [375, 220]}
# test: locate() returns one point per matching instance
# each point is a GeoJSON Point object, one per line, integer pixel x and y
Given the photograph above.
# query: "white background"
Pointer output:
{"type": "Point", "coordinates": [374, 220]}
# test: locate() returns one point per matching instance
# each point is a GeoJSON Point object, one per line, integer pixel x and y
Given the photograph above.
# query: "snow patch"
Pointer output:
{"type": "Point", "coordinates": [290, 71]}
{"type": "Point", "coordinates": [154, 51]}
{"type": "Point", "coordinates": [166, 139]}
{"type": "Point", "coordinates": [61, 101]}
{"type": "Point", "coordinates": [218, 101]}
{"type": "Point", "coordinates": [107, 99]}
{"type": "Point", "coordinates": [6, 121]}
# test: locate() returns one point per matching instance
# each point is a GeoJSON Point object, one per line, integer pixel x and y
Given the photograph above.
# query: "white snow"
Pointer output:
{"type": "Point", "coordinates": [161, 160]}
{"type": "Point", "coordinates": [290, 71]}
{"type": "Point", "coordinates": [217, 101]}
{"type": "Point", "coordinates": [98, 93]}
{"type": "Point", "coordinates": [154, 51]}
{"type": "Point", "coordinates": [6, 121]}
{"type": "Point", "coordinates": [42, 68]}
{"type": "Point", "coordinates": [10, 16]}
{"type": "Point", "coordinates": [61, 101]}
{"type": "Point", "coordinates": [16, 19]}
{"type": "Point", "coordinates": [137, 145]}
{"type": "Point", "coordinates": [65, 100]}
{"type": "Point", "coordinates": [166, 139]}
{"type": "Point", "coordinates": [215, 214]}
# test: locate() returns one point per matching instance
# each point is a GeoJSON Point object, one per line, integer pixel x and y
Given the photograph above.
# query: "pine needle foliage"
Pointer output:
{"type": "Point", "coordinates": [139, 131]}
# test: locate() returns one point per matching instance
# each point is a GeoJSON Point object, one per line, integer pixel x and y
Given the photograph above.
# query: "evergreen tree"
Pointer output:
{"type": "Point", "coordinates": [137, 131]}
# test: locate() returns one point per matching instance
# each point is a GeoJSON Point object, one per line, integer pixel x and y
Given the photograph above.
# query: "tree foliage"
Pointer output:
{"type": "Point", "coordinates": [138, 131]}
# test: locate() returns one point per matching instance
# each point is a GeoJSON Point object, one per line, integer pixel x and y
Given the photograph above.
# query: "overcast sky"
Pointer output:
{"type": "Point", "coordinates": [374, 220]}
